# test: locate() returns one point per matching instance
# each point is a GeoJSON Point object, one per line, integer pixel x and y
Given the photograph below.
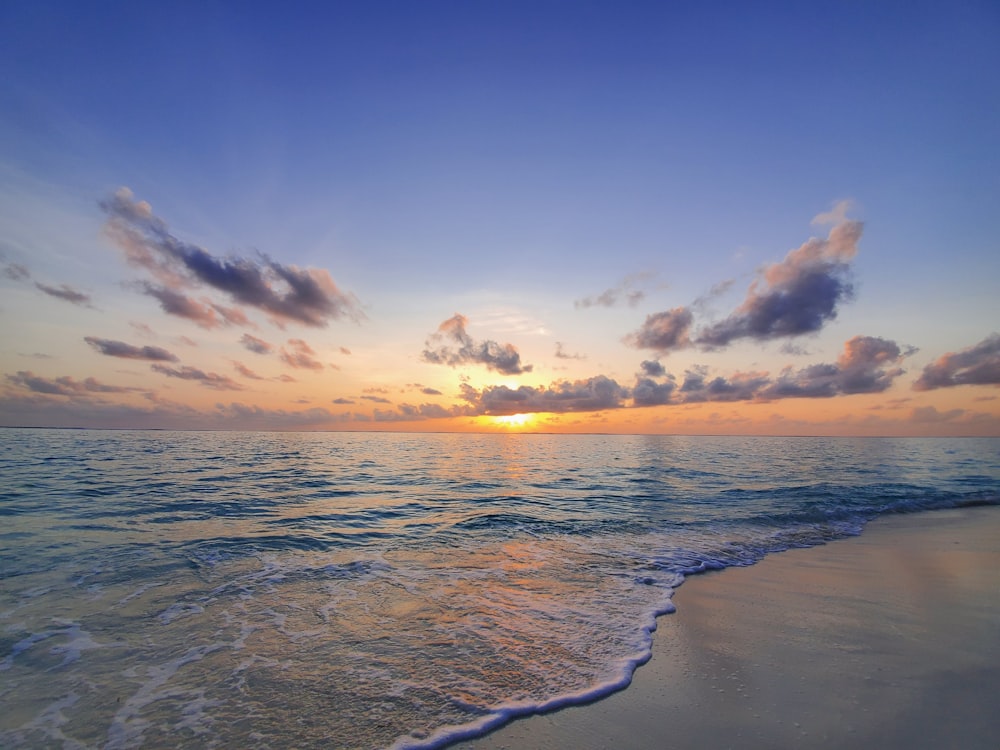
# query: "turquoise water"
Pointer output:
{"type": "Point", "coordinates": [266, 590]}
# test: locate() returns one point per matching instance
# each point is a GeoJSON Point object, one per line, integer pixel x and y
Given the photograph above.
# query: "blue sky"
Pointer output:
{"type": "Point", "coordinates": [508, 162]}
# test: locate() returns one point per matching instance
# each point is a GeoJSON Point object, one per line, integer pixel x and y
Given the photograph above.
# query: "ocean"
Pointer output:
{"type": "Point", "coordinates": [355, 590]}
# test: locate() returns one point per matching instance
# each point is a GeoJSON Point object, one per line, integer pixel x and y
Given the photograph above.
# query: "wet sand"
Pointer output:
{"type": "Point", "coordinates": [890, 639]}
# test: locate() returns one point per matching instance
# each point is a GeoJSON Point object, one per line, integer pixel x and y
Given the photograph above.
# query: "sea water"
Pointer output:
{"type": "Point", "coordinates": [271, 590]}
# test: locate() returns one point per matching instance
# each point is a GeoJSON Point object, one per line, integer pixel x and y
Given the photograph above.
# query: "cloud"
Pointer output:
{"type": "Point", "coordinates": [563, 354]}
{"type": "Point", "coordinates": [653, 368]}
{"type": "Point", "coordinates": [15, 272]}
{"type": "Point", "coordinates": [836, 215]}
{"type": "Point", "coordinates": [741, 386]}
{"type": "Point", "coordinates": [663, 331]}
{"type": "Point", "coordinates": [183, 306]}
{"type": "Point", "coordinates": [625, 291]}
{"type": "Point", "coordinates": [435, 411]}
{"type": "Point", "coordinates": [65, 292]}
{"type": "Point", "coordinates": [342, 401]}
{"type": "Point", "coordinates": [245, 371]}
{"type": "Point", "coordinates": [256, 345]}
{"type": "Point", "coordinates": [207, 379]}
{"type": "Point", "coordinates": [868, 364]}
{"type": "Point", "coordinates": [63, 386]}
{"type": "Point", "coordinates": [929, 414]}
{"type": "Point", "coordinates": [796, 296]}
{"type": "Point", "coordinates": [976, 365]}
{"type": "Point", "coordinates": [593, 394]}
{"type": "Point", "coordinates": [377, 399]}
{"type": "Point", "coordinates": [143, 329]}
{"type": "Point", "coordinates": [503, 358]}
{"type": "Point", "coordinates": [301, 355]}
{"type": "Point", "coordinates": [127, 351]}
{"type": "Point", "coordinates": [41, 410]}
{"type": "Point", "coordinates": [411, 413]}
{"type": "Point", "coordinates": [647, 392]}
{"type": "Point", "coordinates": [345, 350]}
{"type": "Point", "coordinates": [308, 296]}
{"type": "Point", "coordinates": [428, 391]}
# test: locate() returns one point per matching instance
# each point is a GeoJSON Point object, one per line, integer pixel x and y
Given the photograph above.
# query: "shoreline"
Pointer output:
{"type": "Point", "coordinates": [890, 638]}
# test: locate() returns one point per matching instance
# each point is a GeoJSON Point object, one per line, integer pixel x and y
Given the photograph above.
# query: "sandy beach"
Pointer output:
{"type": "Point", "coordinates": [890, 639]}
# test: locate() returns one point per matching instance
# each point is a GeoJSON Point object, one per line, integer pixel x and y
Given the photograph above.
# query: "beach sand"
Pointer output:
{"type": "Point", "coordinates": [890, 639]}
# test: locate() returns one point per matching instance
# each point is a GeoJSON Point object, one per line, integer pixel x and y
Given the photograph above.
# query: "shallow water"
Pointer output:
{"type": "Point", "coordinates": [197, 589]}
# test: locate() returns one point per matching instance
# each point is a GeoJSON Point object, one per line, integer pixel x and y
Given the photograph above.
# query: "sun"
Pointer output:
{"type": "Point", "coordinates": [513, 421]}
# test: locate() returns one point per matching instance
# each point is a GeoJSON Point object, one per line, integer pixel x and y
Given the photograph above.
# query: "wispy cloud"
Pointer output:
{"type": "Point", "coordinates": [183, 306]}
{"type": "Point", "coordinates": [836, 215]}
{"type": "Point", "coordinates": [63, 386]}
{"type": "Point", "coordinates": [245, 371]}
{"type": "Point", "coordinates": [452, 345]}
{"type": "Point", "coordinates": [65, 292]}
{"type": "Point", "coordinates": [304, 295]}
{"type": "Point", "coordinates": [930, 414]}
{"type": "Point", "coordinates": [628, 291]}
{"type": "Point", "coordinates": [256, 345]}
{"type": "Point", "coordinates": [15, 272]}
{"type": "Point", "coordinates": [561, 352]}
{"type": "Point", "coordinates": [300, 355]}
{"type": "Point", "coordinates": [114, 348]}
{"type": "Point", "coordinates": [207, 379]}
{"type": "Point", "coordinates": [976, 365]}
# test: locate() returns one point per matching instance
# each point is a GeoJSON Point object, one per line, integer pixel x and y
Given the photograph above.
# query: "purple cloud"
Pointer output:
{"type": "Point", "coordinates": [207, 379]}
{"type": "Point", "coordinates": [256, 345]}
{"type": "Point", "coordinates": [503, 358]}
{"type": "Point", "coordinates": [63, 386]}
{"type": "Point", "coordinates": [796, 296]}
{"type": "Point", "coordinates": [245, 371]}
{"type": "Point", "coordinates": [663, 331]}
{"type": "Point", "coordinates": [308, 296]}
{"type": "Point", "coordinates": [300, 355]}
{"type": "Point", "coordinates": [653, 368]}
{"type": "Point", "coordinates": [15, 272]}
{"type": "Point", "coordinates": [593, 394]}
{"type": "Point", "coordinates": [868, 365]}
{"type": "Point", "coordinates": [561, 353]}
{"type": "Point", "coordinates": [126, 351]}
{"type": "Point", "coordinates": [625, 292]}
{"type": "Point", "coordinates": [976, 365]}
{"type": "Point", "coordinates": [65, 292]}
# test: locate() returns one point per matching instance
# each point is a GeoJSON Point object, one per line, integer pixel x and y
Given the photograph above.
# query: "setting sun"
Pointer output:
{"type": "Point", "coordinates": [513, 421]}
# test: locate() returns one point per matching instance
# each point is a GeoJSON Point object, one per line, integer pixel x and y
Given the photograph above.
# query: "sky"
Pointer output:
{"type": "Point", "coordinates": [628, 217]}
